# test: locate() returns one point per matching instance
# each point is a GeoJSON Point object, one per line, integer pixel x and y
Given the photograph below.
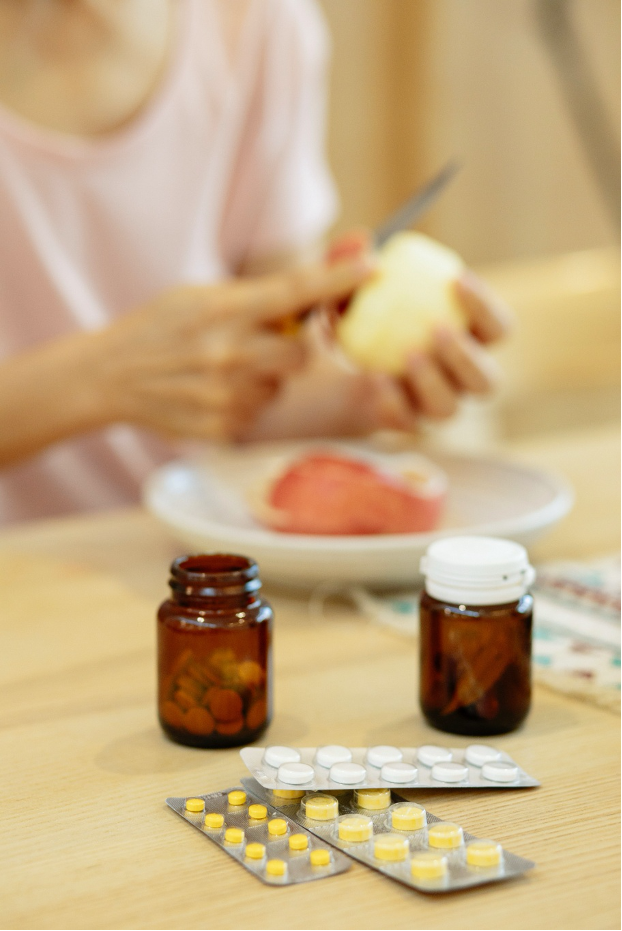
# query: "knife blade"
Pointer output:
{"type": "Point", "coordinates": [406, 215]}
{"type": "Point", "coordinates": [413, 209]}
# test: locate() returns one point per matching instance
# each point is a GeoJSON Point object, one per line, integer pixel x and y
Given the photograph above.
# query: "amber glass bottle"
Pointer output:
{"type": "Point", "coordinates": [214, 653]}
{"type": "Point", "coordinates": [475, 636]}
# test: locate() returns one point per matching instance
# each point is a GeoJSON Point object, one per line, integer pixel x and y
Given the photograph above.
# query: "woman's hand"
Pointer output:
{"type": "Point", "coordinates": [202, 361]}
{"type": "Point", "coordinates": [197, 361]}
{"type": "Point", "coordinates": [456, 364]}
{"type": "Point", "coordinates": [327, 400]}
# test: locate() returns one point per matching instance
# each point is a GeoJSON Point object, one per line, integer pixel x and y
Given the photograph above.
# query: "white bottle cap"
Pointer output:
{"type": "Point", "coordinates": [476, 570]}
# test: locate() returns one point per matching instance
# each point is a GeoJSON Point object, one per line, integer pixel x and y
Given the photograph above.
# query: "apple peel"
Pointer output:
{"type": "Point", "coordinates": [328, 493]}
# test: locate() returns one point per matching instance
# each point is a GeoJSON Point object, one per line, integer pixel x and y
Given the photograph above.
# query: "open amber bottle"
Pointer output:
{"type": "Point", "coordinates": [214, 653]}
{"type": "Point", "coordinates": [475, 636]}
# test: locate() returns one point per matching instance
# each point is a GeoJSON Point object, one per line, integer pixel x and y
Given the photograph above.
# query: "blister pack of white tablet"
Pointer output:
{"type": "Point", "coordinates": [398, 838]}
{"type": "Point", "coordinates": [429, 766]}
{"type": "Point", "coordinates": [267, 843]}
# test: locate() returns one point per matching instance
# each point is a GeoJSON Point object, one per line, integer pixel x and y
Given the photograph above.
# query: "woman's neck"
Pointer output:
{"type": "Point", "coordinates": [84, 67]}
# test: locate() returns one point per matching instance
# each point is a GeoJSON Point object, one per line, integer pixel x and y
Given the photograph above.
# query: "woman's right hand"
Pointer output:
{"type": "Point", "coordinates": [203, 361]}
{"type": "Point", "coordinates": [197, 361]}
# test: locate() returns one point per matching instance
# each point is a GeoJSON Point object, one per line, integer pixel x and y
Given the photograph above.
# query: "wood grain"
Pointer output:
{"type": "Point", "coordinates": [87, 839]}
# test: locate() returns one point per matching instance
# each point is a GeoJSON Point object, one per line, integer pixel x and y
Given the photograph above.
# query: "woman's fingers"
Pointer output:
{"type": "Point", "coordinates": [197, 401]}
{"type": "Point", "coordinates": [467, 364]}
{"type": "Point", "coordinates": [391, 406]}
{"type": "Point", "coordinates": [434, 381]}
{"type": "Point", "coordinates": [241, 389]}
{"type": "Point", "coordinates": [272, 355]}
{"type": "Point", "coordinates": [212, 385]}
{"type": "Point", "coordinates": [429, 389]}
{"type": "Point", "coordinates": [223, 352]}
{"type": "Point", "coordinates": [489, 316]}
{"type": "Point", "coordinates": [353, 243]}
{"type": "Point", "coordinates": [179, 416]}
{"type": "Point", "coordinates": [271, 298]}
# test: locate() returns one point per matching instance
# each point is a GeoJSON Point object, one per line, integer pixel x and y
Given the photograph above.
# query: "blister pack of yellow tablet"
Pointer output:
{"type": "Point", "coordinates": [396, 837]}
{"type": "Point", "coordinates": [277, 850]}
{"type": "Point", "coordinates": [478, 766]}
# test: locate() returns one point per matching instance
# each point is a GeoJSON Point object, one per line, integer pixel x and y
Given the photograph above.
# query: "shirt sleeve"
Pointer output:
{"type": "Point", "coordinates": [284, 196]}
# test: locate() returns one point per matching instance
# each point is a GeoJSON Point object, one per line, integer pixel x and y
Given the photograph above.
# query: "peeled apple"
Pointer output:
{"type": "Point", "coordinates": [396, 312]}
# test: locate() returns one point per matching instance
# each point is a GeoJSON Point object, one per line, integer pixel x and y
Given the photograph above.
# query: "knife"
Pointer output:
{"type": "Point", "coordinates": [413, 209]}
{"type": "Point", "coordinates": [406, 215]}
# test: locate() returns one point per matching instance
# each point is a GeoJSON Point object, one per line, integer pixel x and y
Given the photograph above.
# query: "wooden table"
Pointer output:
{"type": "Point", "coordinates": [87, 839]}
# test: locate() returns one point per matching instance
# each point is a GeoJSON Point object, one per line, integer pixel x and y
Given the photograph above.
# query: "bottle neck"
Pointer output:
{"type": "Point", "coordinates": [215, 581]}
{"type": "Point", "coordinates": [475, 596]}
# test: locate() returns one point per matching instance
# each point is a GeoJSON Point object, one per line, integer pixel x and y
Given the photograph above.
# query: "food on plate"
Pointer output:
{"type": "Point", "coordinates": [396, 312]}
{"type": "Point", "coordinates": [327, 492]}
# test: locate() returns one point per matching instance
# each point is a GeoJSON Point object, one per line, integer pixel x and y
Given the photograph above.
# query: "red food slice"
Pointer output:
{"type": "Point", "coordinates": [327, 493]}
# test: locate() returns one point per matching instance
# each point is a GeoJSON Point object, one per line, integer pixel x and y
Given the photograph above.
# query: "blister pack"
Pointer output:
{"type": "Point", "coordinates": [478, 766]}
{"type": "Point", "coordinates": [266, 842]}
{"type": "Point", "coordinates": [396, 837]}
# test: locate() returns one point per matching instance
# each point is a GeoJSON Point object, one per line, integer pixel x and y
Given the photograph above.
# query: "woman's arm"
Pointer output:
{"type": "Point", "coordinates": [48, 394]}
{"type": "Point", "coordinates": [197, 362]}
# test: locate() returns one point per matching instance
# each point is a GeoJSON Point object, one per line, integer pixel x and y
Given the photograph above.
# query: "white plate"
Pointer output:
{"type": "Point", "coordinates": [204, 503]}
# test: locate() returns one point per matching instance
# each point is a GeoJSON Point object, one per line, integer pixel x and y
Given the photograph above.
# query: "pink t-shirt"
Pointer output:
{"type": "Point", "coordinates": [224, 164]}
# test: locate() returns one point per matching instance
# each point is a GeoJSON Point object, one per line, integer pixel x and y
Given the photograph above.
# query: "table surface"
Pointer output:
{"type": "Point", "coordinates": [88, 840]}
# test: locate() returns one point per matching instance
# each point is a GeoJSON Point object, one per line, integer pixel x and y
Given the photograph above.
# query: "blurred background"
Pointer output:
{"type": "Point", "coordinates": [526, 95]}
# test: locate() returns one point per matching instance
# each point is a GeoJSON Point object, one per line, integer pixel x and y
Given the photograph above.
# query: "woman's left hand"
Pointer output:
{"type": "Point", "coordinates": [456, 364]}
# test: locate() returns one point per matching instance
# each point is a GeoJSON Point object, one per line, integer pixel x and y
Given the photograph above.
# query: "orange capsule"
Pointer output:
{"type": "Point", "coordinates": [251, 674]}
{"type": "Point", "coordinates": [198, 721]}
{"type": "Point", "coordinates": [191, 686]}
{"type": "Point", "coordinates": [227, 728]}
{"type": "Point", "coordinates": [256, 714]}
{"type": "Point", "coordinates": [201, 675]}
{"type": "Point", "coordinates": [226, 705]}
{"type": "Point", "coordinates": [221, 658]}
{"type": "Point", "coordinates": [181, 662]}
{"type": "Point", "coordinates": [172, 714]}
{"type": "Point", "coordinates": [184, 700]}
{"type": "Point", "coordinates": [209, 694]}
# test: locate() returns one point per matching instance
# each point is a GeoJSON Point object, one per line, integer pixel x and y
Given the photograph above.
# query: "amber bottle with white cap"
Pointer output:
{"type": "Point", "coordinates": [475, 635]}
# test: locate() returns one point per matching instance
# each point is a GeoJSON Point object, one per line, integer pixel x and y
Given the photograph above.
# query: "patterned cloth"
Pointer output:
{"type": "Point", "coordinates": [576, 640]}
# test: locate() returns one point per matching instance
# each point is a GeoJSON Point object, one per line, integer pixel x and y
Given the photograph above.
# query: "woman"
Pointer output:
{"type": "Point", "coordinates": [162, 193]}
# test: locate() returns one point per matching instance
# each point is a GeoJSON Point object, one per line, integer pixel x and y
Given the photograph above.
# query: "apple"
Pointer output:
{"type": "Point", "coordinates": [396, 312]}
{"type": "Point", "coordinates": [325, 492]}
